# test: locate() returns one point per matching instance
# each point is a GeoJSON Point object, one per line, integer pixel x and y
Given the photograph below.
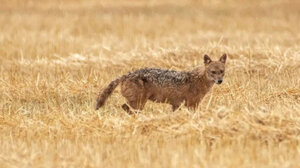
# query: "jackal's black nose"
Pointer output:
{"type": "Point", "coordinates": [220, 81]}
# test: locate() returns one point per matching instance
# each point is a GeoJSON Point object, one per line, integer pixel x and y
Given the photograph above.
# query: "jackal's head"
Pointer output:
{"type": "Point", "coordinates": [215, 70]}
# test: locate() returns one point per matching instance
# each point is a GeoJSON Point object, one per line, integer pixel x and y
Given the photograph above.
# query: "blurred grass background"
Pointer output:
{"type": "Point", "coordinates": [55, 56]}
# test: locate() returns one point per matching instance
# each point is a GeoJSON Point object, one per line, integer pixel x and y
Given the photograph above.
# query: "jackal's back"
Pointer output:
{"type": "Point", "coordinates": [161, 77]}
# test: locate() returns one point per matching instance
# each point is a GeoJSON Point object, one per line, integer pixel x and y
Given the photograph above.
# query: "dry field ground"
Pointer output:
{"type": "Point", "coordinates": [55, 56]}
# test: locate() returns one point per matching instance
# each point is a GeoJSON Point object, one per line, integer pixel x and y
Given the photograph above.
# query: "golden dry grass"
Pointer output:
{"type": "Point", "coordinates": [55, 56]}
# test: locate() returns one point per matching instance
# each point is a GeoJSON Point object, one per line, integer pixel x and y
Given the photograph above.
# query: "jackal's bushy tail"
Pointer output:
{"type": "Point", "coordinates": [108, 91]}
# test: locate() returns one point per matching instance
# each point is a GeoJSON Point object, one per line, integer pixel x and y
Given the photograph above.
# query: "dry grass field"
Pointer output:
{"type": "Point", "coordinates": [55, 56]}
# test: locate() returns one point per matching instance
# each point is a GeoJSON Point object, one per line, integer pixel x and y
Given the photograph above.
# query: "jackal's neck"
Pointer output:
{"type": "Point", "coordinates": [200, 78]}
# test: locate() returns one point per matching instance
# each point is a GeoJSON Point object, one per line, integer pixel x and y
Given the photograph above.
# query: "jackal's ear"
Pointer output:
{"type": "Point", "coordinates": [207, 60]}
{"type": "Point", "coordinates": [223, 58]}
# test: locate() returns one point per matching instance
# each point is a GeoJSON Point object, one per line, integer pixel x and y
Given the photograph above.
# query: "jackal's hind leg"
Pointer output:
{"type": "Point", "coordinates": [126, 108]}
{"type": "Point", "coordinates": [135, 96]}
{"type": "Point", "coordinates": [134, 106]}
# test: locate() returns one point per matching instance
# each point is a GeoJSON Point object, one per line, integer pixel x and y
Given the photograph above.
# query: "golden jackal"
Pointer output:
{"type": "Point", "coordinates": [166, 86]}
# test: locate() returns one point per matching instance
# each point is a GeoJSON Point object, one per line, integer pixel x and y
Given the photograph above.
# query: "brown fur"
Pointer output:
{"type": "Point", "coordinates": [166, 86]}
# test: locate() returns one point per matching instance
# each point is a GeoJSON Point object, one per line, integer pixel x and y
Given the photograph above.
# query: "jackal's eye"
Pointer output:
{"type": "Point", "coordinates": [221, 71]}
{"type": "Point", "coordinates": [214, 72]}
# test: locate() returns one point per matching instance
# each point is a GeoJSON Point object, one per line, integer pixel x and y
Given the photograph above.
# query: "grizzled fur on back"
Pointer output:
{"type": "Point", "coordinates": [161, 77]}
{"type": "Point", "coordinates": [166, 86]}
